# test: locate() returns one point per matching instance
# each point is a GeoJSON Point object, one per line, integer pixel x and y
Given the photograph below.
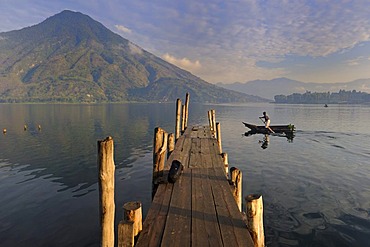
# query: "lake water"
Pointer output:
{"type": "Point", "coordinates": [316, 188]}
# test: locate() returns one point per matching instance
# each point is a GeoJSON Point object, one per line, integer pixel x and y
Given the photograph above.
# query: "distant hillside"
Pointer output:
{"type": "Point", "coordinates": [70, 57]}
{"type": "Point", "coordinates": [284, 86]}
{"type": "Point", "coordinates": [341, 97]}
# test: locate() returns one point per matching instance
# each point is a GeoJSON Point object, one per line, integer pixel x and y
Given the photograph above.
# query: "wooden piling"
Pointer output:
{"type": "Point", "coordinates": [159, 155]}
{"type": "Point", "coordinates": [132, 212]}
{"type": "Point", "coordinates": [225, 159]}
{"type": "Point", "coordinates": [183, 119]}
{"type": "Point", "coordinates": [236, 179]}
{"type": "Point", "coordinates": [218, 136]}
{"type": "Point", "coordinates": [171, 144]}
{"type": "Point", "coordinates": [126, 236]}
{"type": "Point", "coordinates": [178, 119]}
{"type": "Point", "coordinates": [213, 114]}
{"type": "Point", "coordinates": [106, 169]}
{"type": "Point", "coordinates": [187, 99]}
{"type": "Point", "coordinates": [254, 205]}
{"type": "Point", "coordinates": [159, 151]}
{"type": "Point", "coordinates": [210, 120]}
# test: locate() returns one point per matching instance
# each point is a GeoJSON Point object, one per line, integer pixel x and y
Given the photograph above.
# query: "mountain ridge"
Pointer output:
{"type": "Point", "coordinates": [285, 86]}
{"type": "Point", "coordinates": [69, 57]}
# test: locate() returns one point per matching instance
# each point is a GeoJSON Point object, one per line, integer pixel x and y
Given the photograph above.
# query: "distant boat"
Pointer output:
{"type": "Point", "coordinates": [325, 105]}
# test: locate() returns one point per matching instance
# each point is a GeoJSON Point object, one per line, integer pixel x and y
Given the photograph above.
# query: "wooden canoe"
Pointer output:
{"type": "Point", "coordinates": [287, 129]}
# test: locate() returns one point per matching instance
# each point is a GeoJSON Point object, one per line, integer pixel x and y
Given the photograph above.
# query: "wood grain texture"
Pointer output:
{"type": "Point", "coordinates": [199, 208]}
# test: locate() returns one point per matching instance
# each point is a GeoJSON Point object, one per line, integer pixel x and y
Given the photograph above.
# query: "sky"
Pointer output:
{"type": "Point", "coordinates": [230, 41]}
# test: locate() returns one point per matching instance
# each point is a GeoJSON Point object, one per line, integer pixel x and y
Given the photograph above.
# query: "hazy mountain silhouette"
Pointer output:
{"type": "Point", "coordinates": [269, 88]}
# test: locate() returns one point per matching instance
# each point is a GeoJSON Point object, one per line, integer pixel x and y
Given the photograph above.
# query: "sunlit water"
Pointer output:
{"type": "Point", "coordinates": [316, 188]}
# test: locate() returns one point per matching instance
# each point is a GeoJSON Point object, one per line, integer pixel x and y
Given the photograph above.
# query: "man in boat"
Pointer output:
{"type": "Point", "coordinates": [267, 121]}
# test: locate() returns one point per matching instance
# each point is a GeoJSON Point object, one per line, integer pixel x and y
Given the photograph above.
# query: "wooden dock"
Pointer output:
{"type": "Point", "coordinates": [199, 208]}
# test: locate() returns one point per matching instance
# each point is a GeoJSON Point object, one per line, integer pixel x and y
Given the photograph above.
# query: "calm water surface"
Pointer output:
{"type": "Point", "coordinates": [316, 188]}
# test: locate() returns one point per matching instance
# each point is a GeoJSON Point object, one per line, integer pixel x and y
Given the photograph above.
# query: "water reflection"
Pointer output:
{"type": "Point", "coordinates": [65, 147]}
{"type": "Point", "coordinates": [316, 192]}
{"type": "Point", "coordinates": [266, 137]}
{"type": "Point", "coordinates": [265, 142]}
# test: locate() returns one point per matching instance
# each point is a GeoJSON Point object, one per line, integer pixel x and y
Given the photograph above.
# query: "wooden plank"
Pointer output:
{"type": "Point", "coordinates": [195, 155]}
{"type": "Point", "coordinates": [194, 131]}
{"type": "Point", "coordinates": [188, 131]}
{"type": "Point", "coordinates": [199, 209]}
{"type": "Point", "coordinates": [205, 228]}
{"type": "Point", "coordinates": [202, 132]}
{"type": "Point", "coordinates": [178, 223]}
{"type": "Point", "coordinates": [155, 220]}
{"type": "Point", "coordinates": [233, 230]}
{"type": "Point", "coordinates": [205, 151]}
{"type": "Point", "coordinates": [200, 152]}
{"type": "Point", "coordinates": [207, 132]}
{"type": "Point", "coordinates": [185, 153]}
{"type": "Point", "coordinates": [215, 154]}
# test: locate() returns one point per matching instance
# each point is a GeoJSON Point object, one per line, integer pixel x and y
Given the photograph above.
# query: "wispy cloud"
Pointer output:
{"type": "Point", "coordinates": [355, 61]}
{"type": "Point", "coordinates": [123, 29]}
{"type": "Point", "coordinates": [184, 63]}
{"type": "Point", "coordinates": [230, 38]}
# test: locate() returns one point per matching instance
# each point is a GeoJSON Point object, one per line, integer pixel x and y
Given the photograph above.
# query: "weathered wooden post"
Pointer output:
{"type": "Point", "coordinates": [225, 159]}
{"type": "Point", "coordinates": [171, 144]}
{"type": "Point", "coordinates": [132, 212]}
{"type": "Point", "coordinates": [218, 136]}
{"type": "Point", "coordinates": [178, 119]}
{"type": "Point", "coordinates": [214, 122]}
{"type": "Point", "coordinates": [210, 120]}
{"type": "Point", "coordinates": [106, 191]}
{"type": "Point", "coordinates": [254, 204]}
{"type": "Point", "coordinates": [126, 236]}
{"type": "Point", "coordinates": [183, 119]}
{"type": "Point", "coordinates": [187, 99]}
{"type": "Point", "coordinates": [131, 225]}
{"type": "Point", "coordinates": [236, 179]}
{"type": "Point", "coordinates": [159, 155]}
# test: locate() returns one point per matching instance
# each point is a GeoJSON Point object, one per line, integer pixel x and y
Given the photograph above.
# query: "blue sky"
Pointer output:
{"type": "Point", "coordinates": [230, 41]}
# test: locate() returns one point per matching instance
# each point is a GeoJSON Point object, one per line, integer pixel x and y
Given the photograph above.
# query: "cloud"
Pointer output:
{"type": "Point", "coordinates": [353, 62]}
{"type": "Point", "coordinates": [356, 61]}
{"type": "Point", "coordinates": [184, 63]}
{"type": "Point", "coordinates": [232, 38]}
{"type": "Point", "coordinates": [123, 29]}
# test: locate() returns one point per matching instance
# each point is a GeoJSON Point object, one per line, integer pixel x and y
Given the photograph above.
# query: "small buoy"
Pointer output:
{"type": "Point", "coordinates": [4, 131]}
{"type": "Point", "coordinates": [39, 127]}
{"type": "Point", "coordinates": [25, 127]}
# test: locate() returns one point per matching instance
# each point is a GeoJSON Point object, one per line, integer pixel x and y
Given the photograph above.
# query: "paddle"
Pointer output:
{"type": "Point", "coordinates": [267, 126]}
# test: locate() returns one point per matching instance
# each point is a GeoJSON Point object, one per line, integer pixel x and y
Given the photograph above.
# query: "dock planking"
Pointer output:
{"type": "Point", "coordinates": [199, 209]}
